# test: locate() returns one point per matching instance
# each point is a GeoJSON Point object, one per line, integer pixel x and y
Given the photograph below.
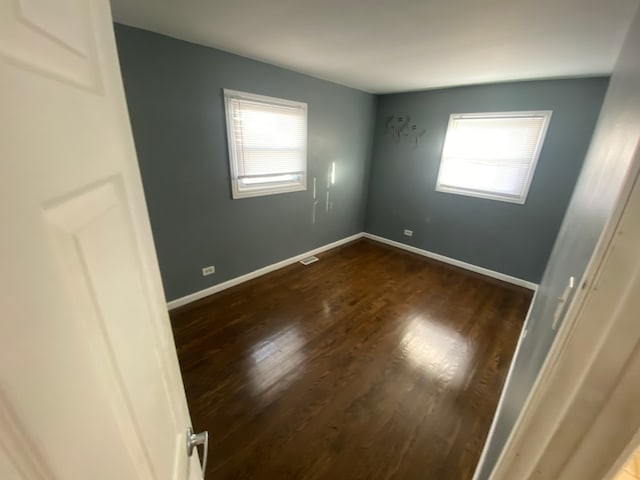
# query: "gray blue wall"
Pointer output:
{"type": "Point", "coordinates": [504, 237]}
{"type": "Point", "coordinates": [174, 94]}
{"type": "Point", "coordinates": [614, 147]}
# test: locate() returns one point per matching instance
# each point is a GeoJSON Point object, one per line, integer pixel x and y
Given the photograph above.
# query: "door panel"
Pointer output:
{"type": "Point", "coordinates": [54, 37]}
{"type": "Point", "coordinates": [89, 381]}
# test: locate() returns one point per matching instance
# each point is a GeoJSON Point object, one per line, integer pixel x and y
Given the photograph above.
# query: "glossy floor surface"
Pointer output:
{"type": "Point", "coordinates": [372, 363]}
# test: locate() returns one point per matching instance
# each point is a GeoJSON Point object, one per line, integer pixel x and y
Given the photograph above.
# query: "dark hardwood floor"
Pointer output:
{"type": "Point", "coordinates": [372, 363]}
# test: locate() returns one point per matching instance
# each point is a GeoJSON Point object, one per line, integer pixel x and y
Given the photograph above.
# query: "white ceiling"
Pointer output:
{"type": "Point", "coordinates": [384, 46]}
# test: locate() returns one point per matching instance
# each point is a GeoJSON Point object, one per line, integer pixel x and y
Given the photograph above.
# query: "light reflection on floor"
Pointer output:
{"type": "Point", "coordinates": [440, 352]}
{"type": "Point", "coordinates": [274, 360]}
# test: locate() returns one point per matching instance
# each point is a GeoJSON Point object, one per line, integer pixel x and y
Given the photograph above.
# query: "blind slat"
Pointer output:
{"type": "Point", "coordinates": [269, 138]}
{"type": "Point", "coordinates": [492, 154]}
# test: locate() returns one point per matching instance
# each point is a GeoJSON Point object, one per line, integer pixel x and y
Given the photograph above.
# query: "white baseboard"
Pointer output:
{"type": "Point", "coordinates": [270, 268]}
{"type": "Point", "coordinates": [256, 273]}
{"type": "Point", "coordinates": [453, 261]}
{"type": "Point", "coordinates": [467, 266]}
{"type": "Point", "coordinates": [523, 333]}
{"type": "Point", "coordinates": [503, 394]}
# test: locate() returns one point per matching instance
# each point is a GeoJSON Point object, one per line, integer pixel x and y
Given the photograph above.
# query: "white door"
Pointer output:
{"type": "Point", "coordinates": [89, 381]}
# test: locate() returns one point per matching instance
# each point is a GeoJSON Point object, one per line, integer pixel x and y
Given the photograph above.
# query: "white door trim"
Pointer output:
{"type": "Point", "coordinates": [550, 437]}
{"type": "Point", "coordinates": [90, 384]}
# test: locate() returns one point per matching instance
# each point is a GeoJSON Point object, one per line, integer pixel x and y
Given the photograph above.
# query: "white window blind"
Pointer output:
{"type": "Point", "coordinates": [267, 144]}
{"type": "Point", "coordinates": [492, 155]}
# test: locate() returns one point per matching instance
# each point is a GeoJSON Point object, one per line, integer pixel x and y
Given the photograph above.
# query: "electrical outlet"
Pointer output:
{"type": "Point", "coordinates": [408, 233]}
{"type": "Point", "coordinates": [208, 270]}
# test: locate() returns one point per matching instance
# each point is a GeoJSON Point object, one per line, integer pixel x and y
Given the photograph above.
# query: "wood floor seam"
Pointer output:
{"type": "Point", "coordinates": [372, 363]}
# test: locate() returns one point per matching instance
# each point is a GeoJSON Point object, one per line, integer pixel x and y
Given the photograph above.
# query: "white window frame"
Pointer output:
{"type": "Point", "coordinates": [546, 114]}
{"type": "Point", "coordinates": [261, 189]}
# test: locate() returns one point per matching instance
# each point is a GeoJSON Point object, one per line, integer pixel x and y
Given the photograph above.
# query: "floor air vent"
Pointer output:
{"type": "Point", "coordinates": [308, 260]}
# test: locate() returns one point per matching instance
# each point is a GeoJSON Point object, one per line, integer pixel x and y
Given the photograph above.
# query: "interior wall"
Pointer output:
{"type": "Point", "coordinates": [610, 156]}
{"type": "Point", "coordinates": [505, 237]}
{"type": "Point", "coordinates": [175, 100]}
{"type": "Point", "coordinates": [174, 93]}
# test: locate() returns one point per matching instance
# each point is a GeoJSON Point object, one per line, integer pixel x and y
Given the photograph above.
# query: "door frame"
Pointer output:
{"type": "Point", "coordinates": [576, 421]}
{"type": "Point", "coordinates": [90, 384]}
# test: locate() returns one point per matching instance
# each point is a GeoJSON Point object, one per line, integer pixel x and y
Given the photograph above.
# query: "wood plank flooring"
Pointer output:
{"type": "Point", "coordinates": [373, 363]}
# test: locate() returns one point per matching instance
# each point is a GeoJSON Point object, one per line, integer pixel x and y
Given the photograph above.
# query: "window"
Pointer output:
{"type": "Point", "coordinates": [267, 144]}
{"type": "Point", "coordinates": [492, 155]}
